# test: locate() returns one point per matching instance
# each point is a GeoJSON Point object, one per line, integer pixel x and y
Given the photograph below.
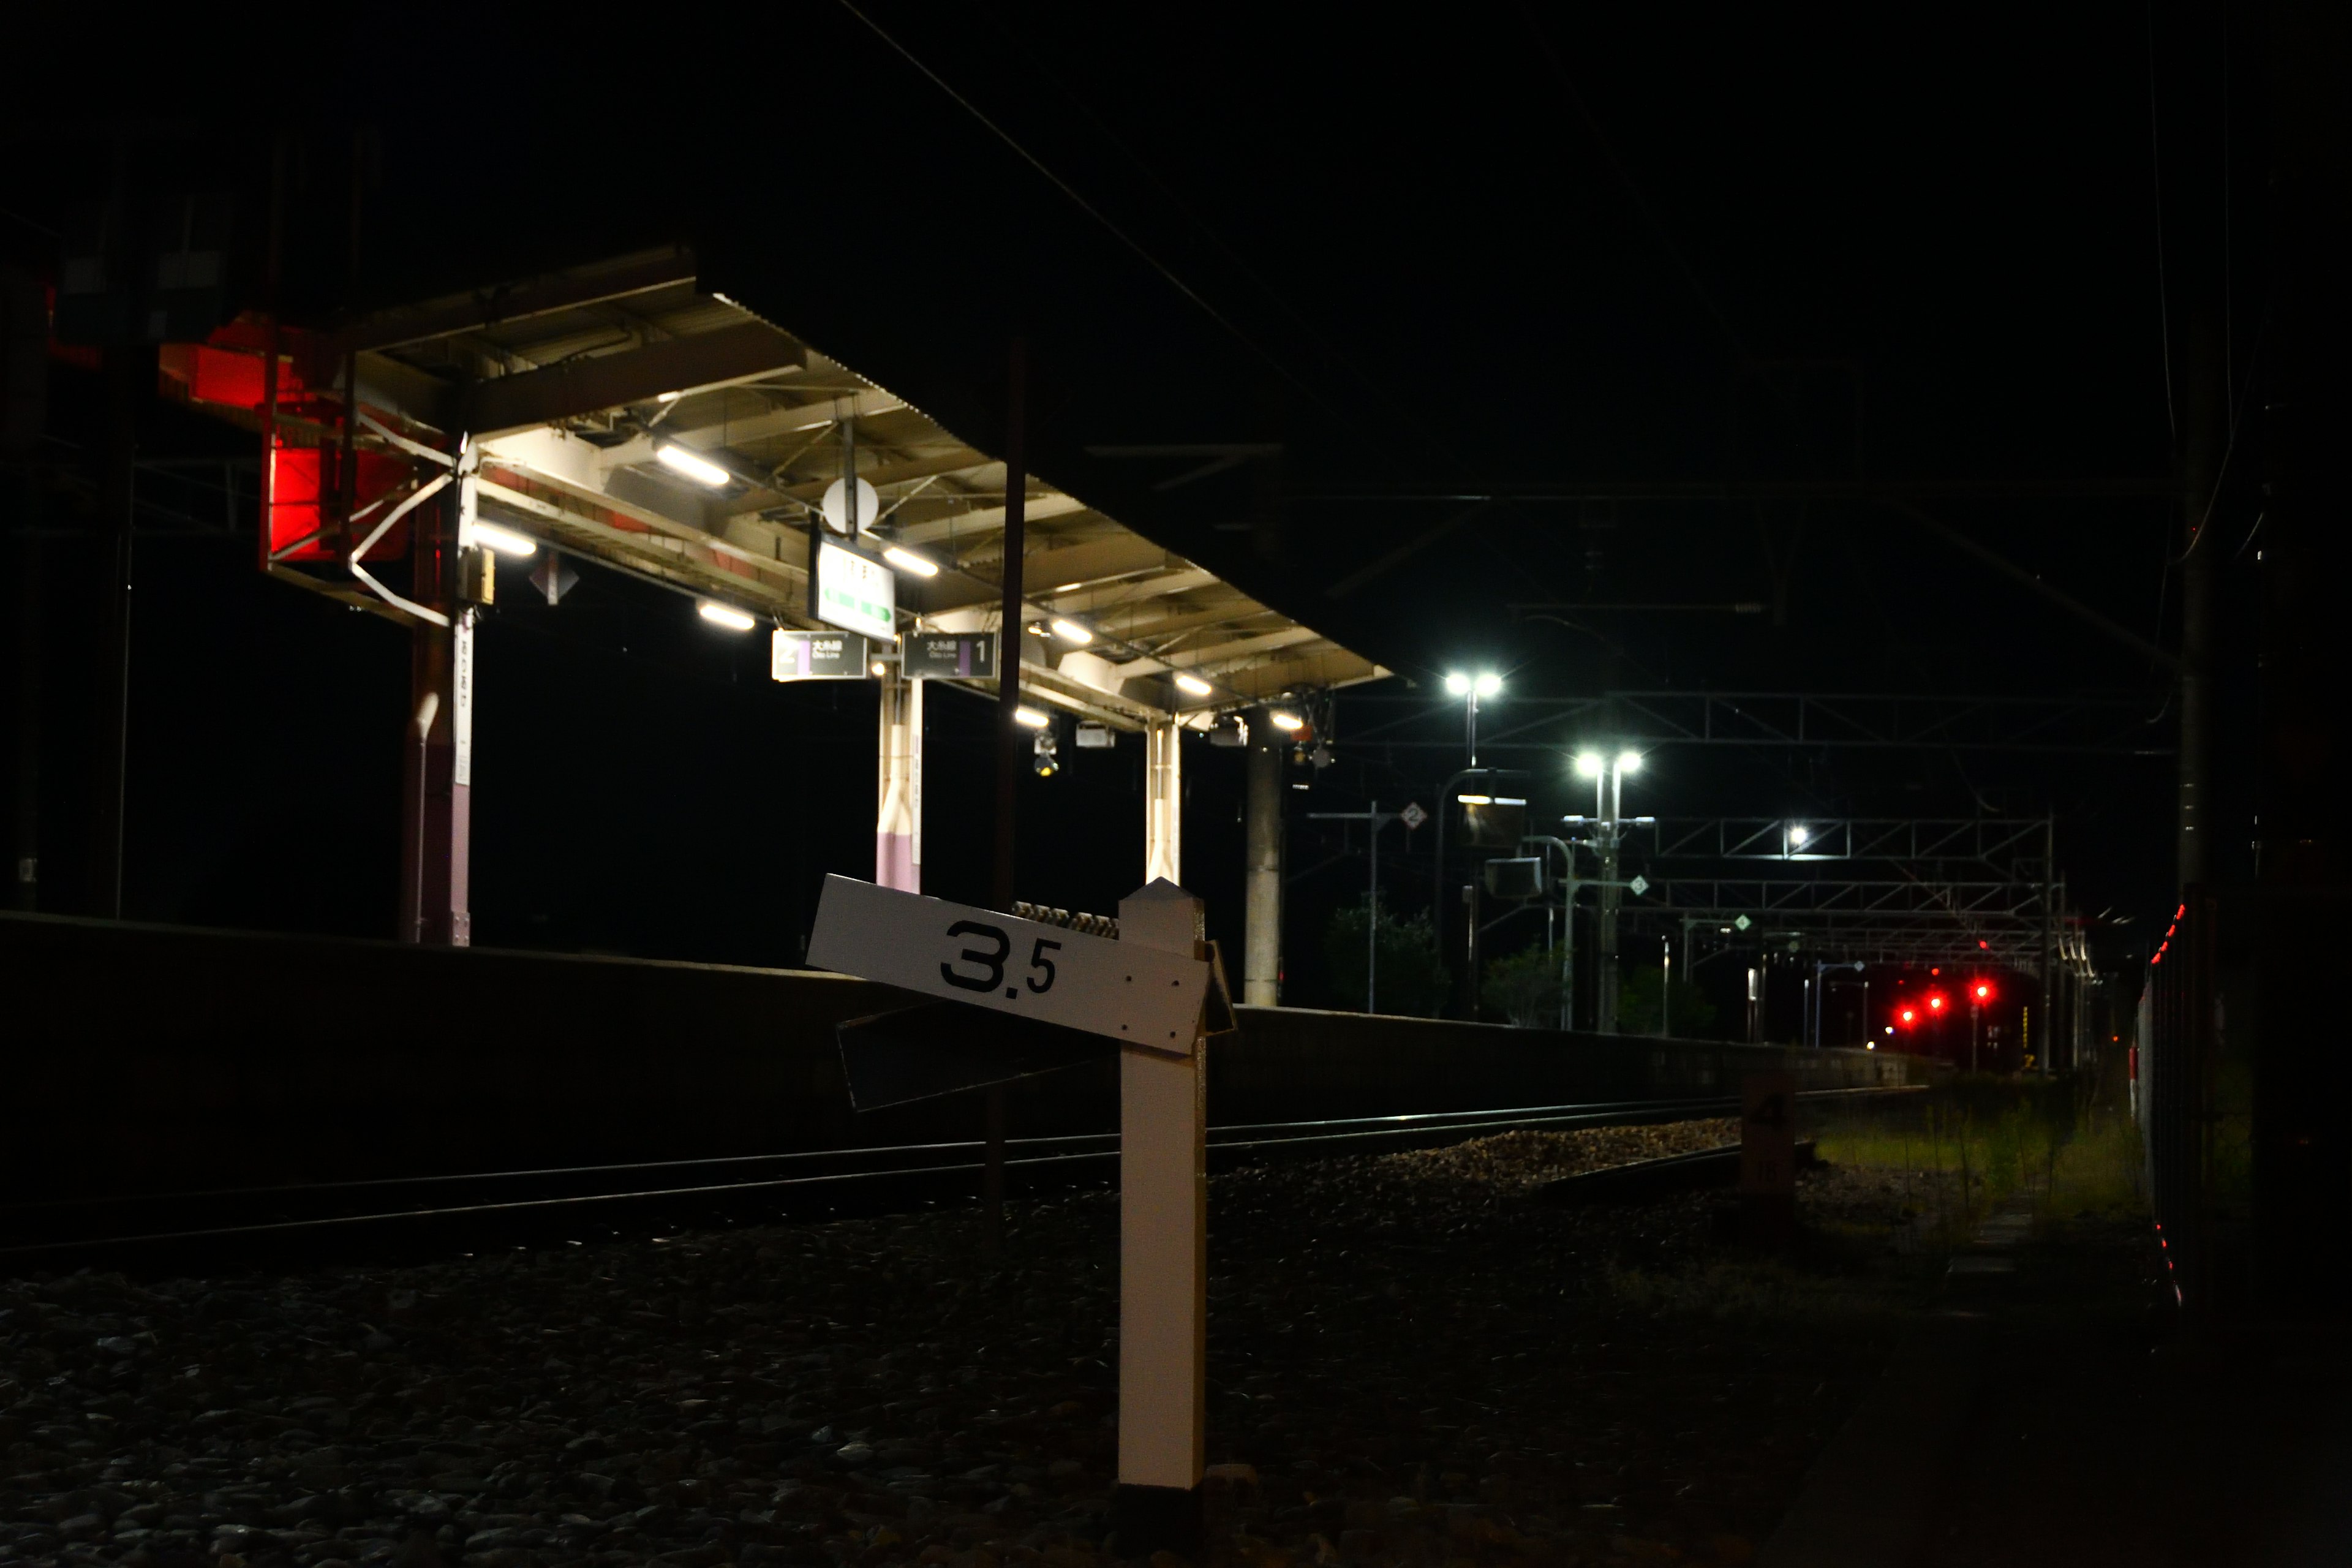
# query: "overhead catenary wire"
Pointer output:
{"type": "Point", "coordinates": [1079, 199]}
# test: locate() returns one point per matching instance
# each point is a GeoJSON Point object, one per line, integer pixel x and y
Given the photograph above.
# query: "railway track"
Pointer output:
{"type": "Point", "coordinates": [399, 1217]}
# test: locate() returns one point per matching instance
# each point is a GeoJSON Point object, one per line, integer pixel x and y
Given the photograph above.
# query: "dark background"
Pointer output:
{"type": "Point", "coordinates": [1494, 245]}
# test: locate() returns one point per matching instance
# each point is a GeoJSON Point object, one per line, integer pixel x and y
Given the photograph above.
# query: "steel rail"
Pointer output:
{"type": "Point", "coordinates": [1341, 1135]}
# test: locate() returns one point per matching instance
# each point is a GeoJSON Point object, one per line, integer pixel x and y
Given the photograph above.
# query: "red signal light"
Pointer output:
{"type": "Point", "coordinates": [1983, 991]}
{"type": "Point", "coordinates": [1936, 1002]}
{"type": "Point", "coordinates": [1909, 1016]}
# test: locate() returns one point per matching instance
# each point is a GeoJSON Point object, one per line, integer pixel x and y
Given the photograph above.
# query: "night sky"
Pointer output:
{"type": "Point", "coordinates": [1497, 247]}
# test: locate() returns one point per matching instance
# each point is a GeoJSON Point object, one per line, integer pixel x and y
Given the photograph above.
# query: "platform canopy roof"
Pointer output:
{"type": "Point", "coordinates": [572, 384]}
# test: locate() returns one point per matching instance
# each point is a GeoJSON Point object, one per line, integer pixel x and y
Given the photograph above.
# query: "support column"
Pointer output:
{"type": "Point", "coordinates": [24, 863]}
{"type": "Point", "coordinates": [1163, 803]}
{"type": "Point", "coordinates": [899, 787]}
{"type": "Point", "coordinates": [1163, 1262]}
{"type": "Point", "coordinates": [129, 372]}
{"type": "Point", "coordinates": [1261, 871]}
{"type": "Point", "coordinates": [1604, 958]}
{"type": "Point", "coordinates": [2204, 428]}
{"type": "Point", "coordinates": [437, 813]}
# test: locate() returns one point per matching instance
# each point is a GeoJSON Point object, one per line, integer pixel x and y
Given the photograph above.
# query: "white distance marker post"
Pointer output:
{"type": "Point", "coordinates": [1147, 989]}
{"type": "Point", "coordinates": [1133, 993]}
{"type": "Point", "coordinates": [1163, 1258]}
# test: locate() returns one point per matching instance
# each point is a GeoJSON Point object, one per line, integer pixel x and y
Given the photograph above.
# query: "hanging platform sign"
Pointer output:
{"type": "Point", "coordinates": [950, 656]}
{"type": "Point", "coordinates": [855, 592]}
{"type": "Point", "coordinates": [818, 656]}
{"type": "Point", "coordinates": [1125, 991]}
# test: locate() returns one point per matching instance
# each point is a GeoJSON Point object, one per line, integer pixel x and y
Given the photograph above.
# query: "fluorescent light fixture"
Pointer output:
{"type": "Point", "coordinates": [1508, 800]}
{"type": "Point", "coordinates": [1629, 761]}
{"type": "Point", "coordinates": [1476, 799]}
{"type": "Point", "coordinates": [907, 560]}
{"type": "Point", "coordinates": [1799, 834]}
{"type": "Point", "coordinates": [1070, 631]}
{"type": "Point", "coordinates": [1069, 587]}
{"type": "Point", "coordinates": [1030, 717]}
{"type": "Point", "coordinates": [505, 541]}
{"type": "Point", "coordinates": [727, 615]}
{"type": "Point", "coordinates": [668, 397]}
{"type": "Point", "coordinates": [1488, 684]}
{"type": "Point", "coordinates": [1192, 685]}
{"type": "Point", "coordinates": [1286, 720]}
{"type": "Point", "coordinates": [701, 470]}
{"type": "Point", "coordinates": [1588, 764]}
{"type": "Point", "coordinates": [1457, 684]}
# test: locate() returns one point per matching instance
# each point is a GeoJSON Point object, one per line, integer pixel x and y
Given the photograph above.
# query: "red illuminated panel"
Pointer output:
{"type": "Point", "coordinates": [299, 475]}
{"type": "Point", "coordinates": [230, 377]}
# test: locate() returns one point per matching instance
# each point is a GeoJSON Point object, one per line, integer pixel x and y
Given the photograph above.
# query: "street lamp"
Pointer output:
{"type": "Point", "coordinates": [1608, 776]}
{"type": "Point", "coordinates": [1486, 683]}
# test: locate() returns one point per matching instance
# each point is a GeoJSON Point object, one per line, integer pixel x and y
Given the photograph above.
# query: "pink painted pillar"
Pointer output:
{"type": "Point", "coordinates": [898, 787]}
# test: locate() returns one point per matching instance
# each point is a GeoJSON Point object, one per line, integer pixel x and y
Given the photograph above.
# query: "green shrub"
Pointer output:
{"type": "Point", "coordinates": [1411, 978]}
{"type": "Point", "coordinates": [1638, 1012]}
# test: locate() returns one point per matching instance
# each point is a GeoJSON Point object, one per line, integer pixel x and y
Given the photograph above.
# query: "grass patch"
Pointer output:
{"type": "Point", "coordinates": [1981, 1143]}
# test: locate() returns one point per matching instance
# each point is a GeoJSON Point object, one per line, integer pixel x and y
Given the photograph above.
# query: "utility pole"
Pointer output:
{"type": "Point", "coordinates": [2200, 444]}
{"type": "Point", "coordinates": [2049, 893]}
{"type": "Point", "coordinates": [1009, 733]}
{"type": "Point", "coordinates": [1444, 803]}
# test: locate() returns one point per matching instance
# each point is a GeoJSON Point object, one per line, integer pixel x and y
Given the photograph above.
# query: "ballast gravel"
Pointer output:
{"type": "Point", "coordinates": [1409, 1363]}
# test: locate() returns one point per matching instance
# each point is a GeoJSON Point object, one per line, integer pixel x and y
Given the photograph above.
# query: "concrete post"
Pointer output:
{"type": "Point", "coordinates": [1262, 874]}
{"type": "Point", "coordinates": [1163, 803]}
{"type": "Point", "coordinates": [1164, 1261]}
{"type": "Point", "coordinates": [898, 786]}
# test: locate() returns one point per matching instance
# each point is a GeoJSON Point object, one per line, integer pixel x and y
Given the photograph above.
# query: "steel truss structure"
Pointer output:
{"type": "Point", "coordinates": [1946, 889]}
{"type": "Point", "coordinates": [2093, 723]}
{"type": "Point", "coordinates": [2003, 842]}
{"type": "Point", "coordinates": [1956, 890]}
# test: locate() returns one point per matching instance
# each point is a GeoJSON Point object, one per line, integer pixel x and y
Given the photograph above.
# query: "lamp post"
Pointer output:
{"type": "Point", "coordinates": [1568, 924]}
{"type": "Point", "coordinates": [1471, 688]}
{"type": "Point", "coordinates": [1608, 776]}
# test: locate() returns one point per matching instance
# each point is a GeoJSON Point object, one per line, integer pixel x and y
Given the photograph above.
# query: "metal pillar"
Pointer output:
{"type": "Point", "coordinates": [437, 812]}
{"type": "Point", "coordinates": [2048, 974]}
{"type": "Point", "coordinates": [1163, 803]}
{"type": "Point", "coordinates": [129, 380]}
{"type": "Point", "coordinates": [898, 786]}
{"type": "Point", "coordinates": [1609, 788]}
{"type": "Point", "coordinates": [1262, 872]}
{"type": "Point", "coordinates": [1012, 739]}
{"type": "Point", "coordinates": [25, 872]}
{"type": "Point", "coordinates": [2202, 422]}
{"type": "Point", "coordinates": [1568, 945]}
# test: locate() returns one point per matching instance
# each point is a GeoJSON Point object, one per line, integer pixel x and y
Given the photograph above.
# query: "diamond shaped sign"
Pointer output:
{"type": "Point", "coordinates": [1413, 817]}
{"type": "Point", "coordinates": [1742, 923]}
{"type": "Point", "coordinates": [1640, 884]}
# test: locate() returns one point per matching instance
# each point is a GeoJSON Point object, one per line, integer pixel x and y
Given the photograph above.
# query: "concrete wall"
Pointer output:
{"type": "Point", "coordinates": [140, 1058]}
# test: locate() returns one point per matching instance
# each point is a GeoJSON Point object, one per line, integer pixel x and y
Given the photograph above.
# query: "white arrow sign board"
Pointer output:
{"type": "Point", "coordinates": [1137, 995]}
